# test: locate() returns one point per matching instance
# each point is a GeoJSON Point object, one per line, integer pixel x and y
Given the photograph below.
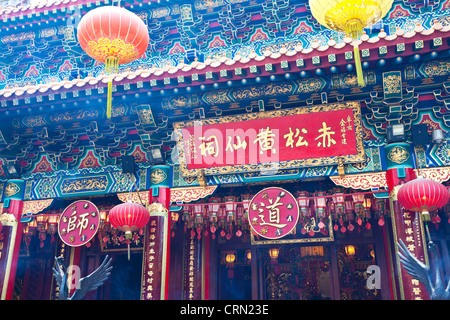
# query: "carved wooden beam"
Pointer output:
{"type": "Point", "coordinates": [366, 181]}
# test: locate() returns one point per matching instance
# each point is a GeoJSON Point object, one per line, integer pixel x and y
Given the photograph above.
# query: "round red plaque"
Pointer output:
{"type": "Point", "coordinates": [78, 223]}
{"type": "Point", "coordinates": [273, 213]}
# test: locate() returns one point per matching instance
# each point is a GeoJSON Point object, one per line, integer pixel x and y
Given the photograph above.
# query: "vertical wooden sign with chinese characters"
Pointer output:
{"type": "Point", "coordinates": [153, 255]}
{"type": "Point", "coordinates": [409, 228]}
{"type": "Point", "coordinates": [155, 271]}
{"type": "Point", "coordinates": [406, 225]}
{"type": "Point", "coordinates": [192, 273]}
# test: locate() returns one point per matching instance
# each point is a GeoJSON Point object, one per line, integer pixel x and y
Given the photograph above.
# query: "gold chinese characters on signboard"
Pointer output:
{"type": "Point", "coordinates": [273, 140]}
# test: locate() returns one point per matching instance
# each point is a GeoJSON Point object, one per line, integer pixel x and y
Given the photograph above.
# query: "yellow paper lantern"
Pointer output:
{"type": "Point", "coordinates": [350, 250]}
{"type": "Point", "coordinates": [273, 253]}
{"type": "Point", "coordinates": [230, 258]}
{"type": "Point", "coordinates": [351, 17]}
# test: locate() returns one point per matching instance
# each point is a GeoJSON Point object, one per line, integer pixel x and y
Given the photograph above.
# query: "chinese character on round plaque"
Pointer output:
{"type": "Point", "coordinates": [273, 213]}
{"type": "Point", "coordinates": [78, 223]}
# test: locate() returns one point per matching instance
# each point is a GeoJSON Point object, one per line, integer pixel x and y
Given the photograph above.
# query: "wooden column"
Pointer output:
{"type": "Point", "coordinates": [206, 261]}
{"type": "Point", "coordinates": [196, 267]}
{"type": "Point", "coordinates": [406, 225]}
{"type": "Point", "coordinates": [155, 270]}
{"type": "Point", "coordinates": [192, 279]}
{"type": "Point", "coordinates": [12, 235]}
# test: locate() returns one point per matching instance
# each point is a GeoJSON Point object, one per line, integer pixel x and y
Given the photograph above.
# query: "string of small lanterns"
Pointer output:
{"type": "Point", "coordinates": [223, 216]}
{"type": "Point", "coordinates": [229, 214]}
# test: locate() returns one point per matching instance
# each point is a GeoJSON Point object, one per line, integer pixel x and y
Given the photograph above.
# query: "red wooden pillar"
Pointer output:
{"type": "Point", "coordinates": [12, 235]}
{"type": "Point", "coordinates": [155, 271]}
{"type": "Point", "coordinates": [407, 225]}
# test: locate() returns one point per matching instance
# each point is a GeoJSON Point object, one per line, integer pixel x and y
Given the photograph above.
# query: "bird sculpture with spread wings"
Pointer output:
{"type": "Point", "coordinates": [86, 284]}
{"type": "Point", "coordinates": [420, 271]}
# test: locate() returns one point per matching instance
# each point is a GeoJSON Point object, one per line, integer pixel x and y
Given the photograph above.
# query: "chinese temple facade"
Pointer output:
{"type": "Point", "coordinates": [237, 108]}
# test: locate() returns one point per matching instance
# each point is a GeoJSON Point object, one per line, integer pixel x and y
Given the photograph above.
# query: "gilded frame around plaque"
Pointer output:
{"type": "Point", "coordinates": [301, 163]}
{"type": "Point", "coordinates": [329, 238]}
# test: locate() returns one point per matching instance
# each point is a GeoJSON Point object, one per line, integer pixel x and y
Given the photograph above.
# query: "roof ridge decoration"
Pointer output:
{"type": "Point", "coordinates": [309, 41]}
{"type": "Point", "coordinates": [143, 72]}
{"type": "Point", "coordinates": [37, 6]}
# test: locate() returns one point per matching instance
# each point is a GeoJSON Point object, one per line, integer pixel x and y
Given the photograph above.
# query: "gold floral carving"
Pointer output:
{"type": "Point", "coordinates": [189, 194]}
{"type": "Point", "coordinates": [134, 196]}
{"type": "Point", "coordinates": [439, 174]}
{"type": "Point", "coordinates": [36, 206]}
{"type": "Point", "coordinates": [184, 194]}
{"type": "Point", "coordinates": [98, 183]}
{"type": "Point", "coordinates": [104, 47]}
{"type": "Point", "coordinates": [362, 181]}
{"type": "Point", "coordinates": [366, 181]}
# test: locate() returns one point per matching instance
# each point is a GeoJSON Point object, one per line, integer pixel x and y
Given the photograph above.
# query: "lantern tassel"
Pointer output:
{"type": "Point", "coordinates": [128, 252]}
{"type": "Point", "coordinates": [109, 101]}
{"type": "Point", "coordinates": [354, 29]}
{"type": "Point", "coordinates": [359, 73]}
{"type": "Point", "coordinates": [111, 66]}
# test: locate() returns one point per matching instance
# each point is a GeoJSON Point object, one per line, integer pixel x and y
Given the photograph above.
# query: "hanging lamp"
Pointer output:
{"type": "Point", "coordinates": [113, 36]}
{"type": "Point", "coordinates": [423, 195]}
{"type": "Point", "coordinates": [128, 217]}
{"type": "Point", "coordinates": [351, 17]}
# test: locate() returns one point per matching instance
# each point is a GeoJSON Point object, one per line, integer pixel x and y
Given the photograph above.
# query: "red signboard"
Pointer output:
{"type": "Point", "coordinates": [78, 223]}
{"type": "Point", "coordinates": [273, 213]}
{"type": "Point", "coordinates": [295, 137]}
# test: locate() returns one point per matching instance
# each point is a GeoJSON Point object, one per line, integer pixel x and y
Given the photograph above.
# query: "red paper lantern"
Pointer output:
{"type": "Point", "coordinates": [112, 35]}
{"type": "Point", "coordinates": [128, 217]}
{"type": "Point", "coordinates": [422, 195]}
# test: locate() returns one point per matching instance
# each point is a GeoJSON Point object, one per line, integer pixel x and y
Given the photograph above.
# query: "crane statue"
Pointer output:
{"type": "Point", "coordinates": [421, 272]}
{"type": "Point", "coordinates": [86, 284]}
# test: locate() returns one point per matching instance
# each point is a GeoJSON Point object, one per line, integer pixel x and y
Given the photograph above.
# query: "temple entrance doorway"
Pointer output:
{"type": "Point", "coordinates": [125, 280]}
{"type": "Point", "coordinates": [235, 275]}
{"type": "Point", "coordinates": [297, 273]}
{"type": "Point", "coordinates": [317, 271]}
